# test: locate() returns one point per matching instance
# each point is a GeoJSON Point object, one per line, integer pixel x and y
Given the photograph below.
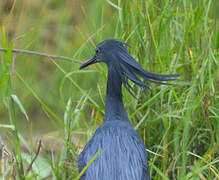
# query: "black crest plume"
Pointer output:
{"type": "Point", "coordinates": [129, 69]}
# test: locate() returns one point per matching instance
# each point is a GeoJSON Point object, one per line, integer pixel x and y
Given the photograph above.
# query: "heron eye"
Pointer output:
{"type": "Point", "coordinates": [97, 51]}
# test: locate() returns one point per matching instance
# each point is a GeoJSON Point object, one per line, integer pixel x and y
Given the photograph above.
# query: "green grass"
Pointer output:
{"type": "Point", "coordinates": [179, 125]}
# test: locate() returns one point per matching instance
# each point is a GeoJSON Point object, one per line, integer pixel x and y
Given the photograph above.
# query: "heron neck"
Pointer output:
{"type": "Point", "coordinates": [115, 109]}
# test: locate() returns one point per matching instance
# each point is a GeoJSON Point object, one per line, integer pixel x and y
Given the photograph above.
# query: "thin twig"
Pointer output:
{"type": "Point", "coordinates": [36, 155]}
{"type": "Point", "coordinates": [41, 54]}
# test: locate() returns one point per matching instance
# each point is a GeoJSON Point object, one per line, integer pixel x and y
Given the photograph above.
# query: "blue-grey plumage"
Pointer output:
{"type": "Point", "coordinates": [123, 155]}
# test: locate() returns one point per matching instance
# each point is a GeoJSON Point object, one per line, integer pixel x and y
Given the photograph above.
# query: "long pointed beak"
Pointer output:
{"type": "Point", "coordinates": [90, 61]}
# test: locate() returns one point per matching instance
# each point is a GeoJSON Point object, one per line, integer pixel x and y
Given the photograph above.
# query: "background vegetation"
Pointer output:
{"type": "Point", "coordinates": [53, 101]}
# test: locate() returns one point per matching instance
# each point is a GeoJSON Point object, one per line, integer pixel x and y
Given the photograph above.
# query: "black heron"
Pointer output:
{"type": "Point", "coordinates": [123, 155]}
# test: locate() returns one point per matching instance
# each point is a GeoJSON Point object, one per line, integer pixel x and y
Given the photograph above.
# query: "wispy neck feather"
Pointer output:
{"type": "Point", "coordinates": [114, 105]}
{"type": "Point", "coordinates": [122, 68]}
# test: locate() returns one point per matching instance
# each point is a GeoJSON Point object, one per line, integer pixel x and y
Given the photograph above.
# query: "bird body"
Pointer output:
{"type": "Point", "coordinates": [122, 155]}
